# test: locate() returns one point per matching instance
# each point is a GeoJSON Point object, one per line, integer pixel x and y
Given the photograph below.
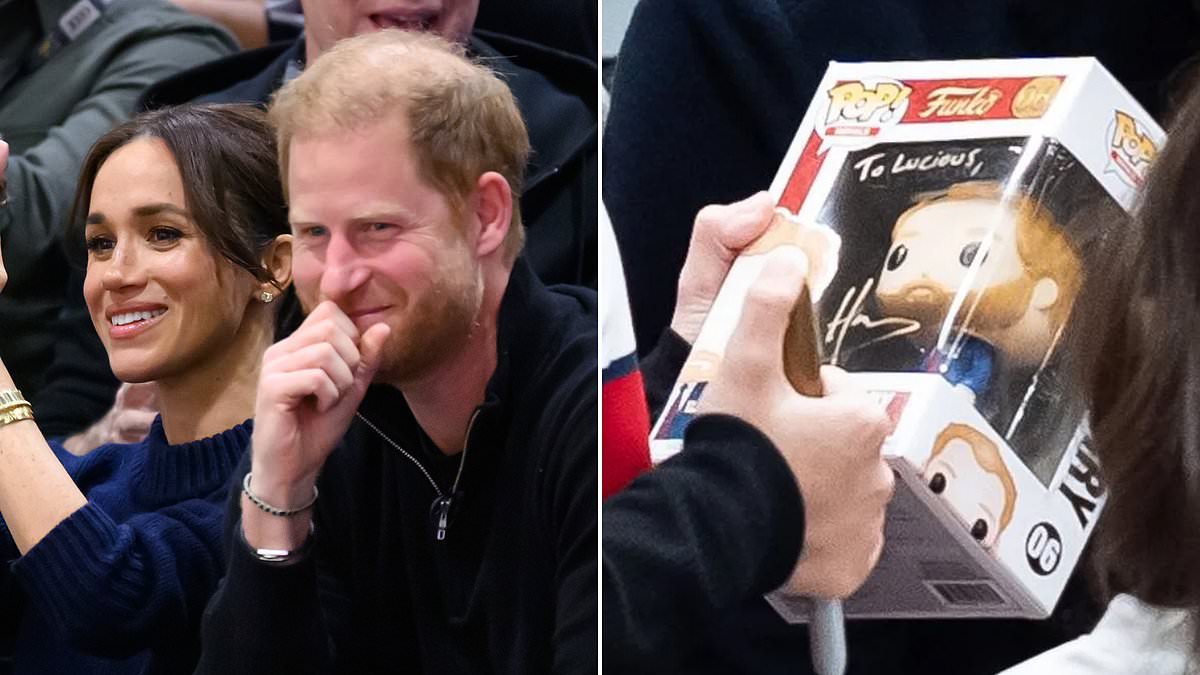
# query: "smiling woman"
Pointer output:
{"type": "Point", "coordinates": [167, 291]}
{"type": "Point", "coordinates": [186, 239]}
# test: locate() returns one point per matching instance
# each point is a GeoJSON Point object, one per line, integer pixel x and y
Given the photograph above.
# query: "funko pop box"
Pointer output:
{"type": "Point", "coordinates": [948, 211]}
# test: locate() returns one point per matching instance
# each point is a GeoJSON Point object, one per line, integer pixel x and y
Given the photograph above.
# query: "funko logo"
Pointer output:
{"type": "Point", "coordinates": [865, 104]}
{"type": "Point", "coordinates": [1043, 549]}
{"type": "Point", "coordinates": [1131, 150]}
{"type": "Point", "coordinates": [960, 102]}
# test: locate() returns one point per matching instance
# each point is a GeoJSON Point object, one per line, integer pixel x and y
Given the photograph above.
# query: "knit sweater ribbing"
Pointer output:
{"type": "Point", "coordinates": [119, 586]}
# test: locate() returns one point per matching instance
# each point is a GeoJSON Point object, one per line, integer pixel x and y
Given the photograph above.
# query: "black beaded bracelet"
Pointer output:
{"type": "Point", "coordinates": [263, 506]}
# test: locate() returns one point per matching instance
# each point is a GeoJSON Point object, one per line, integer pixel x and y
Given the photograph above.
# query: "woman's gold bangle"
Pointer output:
{"type": "Point", "coordinates": [24, 412]}
{"type": "Point", "coordinates": [14, 405]}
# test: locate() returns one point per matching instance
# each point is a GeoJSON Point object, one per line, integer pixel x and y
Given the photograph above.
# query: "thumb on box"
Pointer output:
{"type": "Point", "coordinates": [755, 345]}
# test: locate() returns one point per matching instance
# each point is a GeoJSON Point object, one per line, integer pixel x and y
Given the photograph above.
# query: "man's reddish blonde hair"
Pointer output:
{"type": "Point", "coordinates": [1041, 245]}
{"type": "Point", "coordinates": [462, 119]}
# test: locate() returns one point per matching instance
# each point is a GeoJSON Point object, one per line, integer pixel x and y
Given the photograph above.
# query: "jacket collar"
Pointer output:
{"type": "Point", "coordinates": [268, 79]}
{"type": "Point", "coordinates": [518, 312]}
{"type": "Point", "coordinates": [550, 87]}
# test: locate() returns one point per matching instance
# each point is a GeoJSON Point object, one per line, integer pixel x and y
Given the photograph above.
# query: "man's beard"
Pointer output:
{"type": "Point", "coordinates": [438, 324]}
{"type": "Point", "coordinates": [993, 308]}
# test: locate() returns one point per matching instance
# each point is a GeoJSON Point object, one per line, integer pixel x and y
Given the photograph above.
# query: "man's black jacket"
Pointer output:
{"type": "Point", "coordinates": [512, 588]}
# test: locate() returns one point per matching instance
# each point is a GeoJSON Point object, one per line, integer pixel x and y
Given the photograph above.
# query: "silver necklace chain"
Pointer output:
{"type": "Point", "coordinates": [443, 501]}
{"type": "Point", "coordinates": [404, 452]}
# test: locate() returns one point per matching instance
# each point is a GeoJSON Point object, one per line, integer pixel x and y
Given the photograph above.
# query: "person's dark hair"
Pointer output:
{"type": "Point", "coordinates": [1135, 334]}
{"type": "Point", "coordinates": [227, 159]}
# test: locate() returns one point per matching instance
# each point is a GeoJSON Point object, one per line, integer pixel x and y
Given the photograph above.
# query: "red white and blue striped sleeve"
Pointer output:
{"type": "Point", "coordinates": [625, 448]}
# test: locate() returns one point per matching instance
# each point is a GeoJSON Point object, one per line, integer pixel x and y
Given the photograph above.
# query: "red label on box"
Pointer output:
{"type": "Point", "coordinates": [803, 174]}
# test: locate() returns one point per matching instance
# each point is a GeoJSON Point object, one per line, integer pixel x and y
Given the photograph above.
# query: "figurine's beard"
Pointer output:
{"type": "Point", "coordinates": [995, 307]}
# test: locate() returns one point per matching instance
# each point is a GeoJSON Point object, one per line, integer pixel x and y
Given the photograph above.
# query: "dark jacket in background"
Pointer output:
{"type": "Point", "coordinates": [569, 25]}
{"type": "Point", "coordinates": [556, 94]}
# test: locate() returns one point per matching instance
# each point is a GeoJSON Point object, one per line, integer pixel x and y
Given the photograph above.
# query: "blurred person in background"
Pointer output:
{"type": "Point", "coordinates": [1140, 369]}
{"type": "Point", "coordinates": [255, 23]}
{"type": "Point", "coordinates": [555, 90]}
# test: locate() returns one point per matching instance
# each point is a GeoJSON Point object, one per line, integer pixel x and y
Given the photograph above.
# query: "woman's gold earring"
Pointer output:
{"type": "Point", "coordinates": [266, 296]}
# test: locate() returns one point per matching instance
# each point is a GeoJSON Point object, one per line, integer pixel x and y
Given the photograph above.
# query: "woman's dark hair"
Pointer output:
{"type": "Point", "coordinates": [1135, 330]}
{"type": "Point", "coordinates": [227, 160]}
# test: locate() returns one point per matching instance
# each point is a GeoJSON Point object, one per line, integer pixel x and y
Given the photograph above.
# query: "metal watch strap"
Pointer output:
{"type": "Point", "coordinates": [275, 556]}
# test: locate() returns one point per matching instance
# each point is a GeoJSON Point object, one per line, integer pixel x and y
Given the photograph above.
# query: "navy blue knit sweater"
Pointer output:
{"type": "Point", "coordinates": [120, 585]}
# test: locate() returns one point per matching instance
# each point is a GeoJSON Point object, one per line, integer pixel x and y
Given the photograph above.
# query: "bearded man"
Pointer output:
{"type": "Point", "coordinates": [438, 395]}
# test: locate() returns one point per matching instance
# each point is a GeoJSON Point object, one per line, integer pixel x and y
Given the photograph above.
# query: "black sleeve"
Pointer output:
{"type": "Point", "coordinates": [707, 530]}
{"type": "Point", "coordinates": [569, 503]}
{"type": "Point", "coordinates": [270, 617]}
{"type": "Point", "coordinates": [79, 387]}
{"type": "Point", "coordinates": [660, 368]}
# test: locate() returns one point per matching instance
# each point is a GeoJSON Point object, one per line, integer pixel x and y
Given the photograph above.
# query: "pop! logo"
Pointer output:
{"type": "Point", "coordinates": [859, 109]}
{"type": "Point", "coordinates": [1130, 150]}
{"type": "Point", "coordinates": [960, 102]}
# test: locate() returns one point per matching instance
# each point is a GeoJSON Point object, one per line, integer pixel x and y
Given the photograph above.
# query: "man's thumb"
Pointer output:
{"type": "Point", "coordinates": [371, 352]}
